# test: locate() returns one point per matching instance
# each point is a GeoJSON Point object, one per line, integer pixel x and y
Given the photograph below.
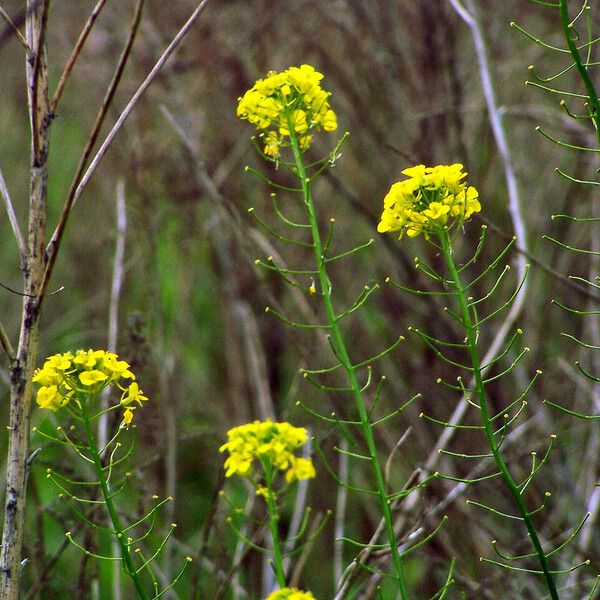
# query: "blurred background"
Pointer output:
{"type": "Point", "coordinates": [405, 84]}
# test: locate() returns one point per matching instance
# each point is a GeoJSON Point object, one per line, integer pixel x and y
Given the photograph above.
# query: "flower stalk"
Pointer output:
{"type": "Point", "coordinates": [274, 524]}
{"type": "Point", "coordinates": [342, 354]}
{"type": "Point", "coordinates": [110, 506]}
{"type": "Point", "coordinates": [264, 452]}
{"type": "Point", "coordinates": [471, 330]}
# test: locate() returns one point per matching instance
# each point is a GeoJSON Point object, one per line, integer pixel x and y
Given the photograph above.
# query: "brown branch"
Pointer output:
{"type": "Point", "coordinates": [5, 343]}
{"type": "Point", "coordinates": [39, 58]}
{"type": "Point", "coordinates": [52, 248]}
{"type": "Point", "coordinates": [17, 21]}
{"type": "Point", "coordinates": [21, 370]}
{"type": "Point", "coordinates": [75, 54]}
{"type": "Point", "coordinates": [12, 217]}
{"type": "Point", "coordinates": [14, 29]}
{"type": "Point", "coordinates": [138, 94]}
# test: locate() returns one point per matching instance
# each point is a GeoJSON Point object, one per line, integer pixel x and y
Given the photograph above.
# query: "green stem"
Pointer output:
{"type": "Point", "coordinates": [349, 368]}
{"type": "Point", "coordinates": [274, 526]}
{"type": "Point", "coordinates": [583, 72]}
{"type": "Point", "coordinates": [112, 511]}
{"type": "Point", "coordinates": [471, 330]}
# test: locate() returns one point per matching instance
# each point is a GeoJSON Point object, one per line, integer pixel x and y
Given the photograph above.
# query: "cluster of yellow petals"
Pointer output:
{"type": "Point", "coordinates": [293, 97]}
{"type": "Point", "coordinates": [267, 441]}
{"type": "Point", "coordinates": [431, 197]}
{"type": "Point", "coordinates": [86, 372]}
{"type": "Point", "coordinates": [290, 594]}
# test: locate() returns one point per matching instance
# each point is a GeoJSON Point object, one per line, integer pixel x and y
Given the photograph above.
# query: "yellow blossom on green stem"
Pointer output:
{"type": "Point", "coordinates": [430, 198]}
{"type": "Point", "coordinates": [133, 394]}
{"type": "Point", "coordinates": [85, 373]}
{"type": "Point", "coordinates": [128, 415]}
{"type": "Point", "coordinates": [293, 98]}
{"type": "Point", "coordinates": [290, 594]}
{"type": "Point", "coordinates": [251, 444]}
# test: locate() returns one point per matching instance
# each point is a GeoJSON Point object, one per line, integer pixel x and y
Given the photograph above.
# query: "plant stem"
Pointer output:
{"type": "Point", "coordinates": [274, 525]}
{"type": "Point", "coordinates": [583, 72]}
{"type": "Point", "coordinates": [32, 267]}
{"type": "Point", "coordinates": [342, 354]}
{"type": "Point", "coordinates": [471, 330]}
{"type": "Point", "coordinates": [112, 511]}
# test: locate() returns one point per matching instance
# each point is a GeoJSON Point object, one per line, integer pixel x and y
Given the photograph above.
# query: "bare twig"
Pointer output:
{"type": "Point", "coordinates": [14, 29]}
{"type": "Point", "coordinates": [17, 21]}
{"type": "Point", "coordinates": [33, 264]}
{"type": "Point", "coordinates": [138, 94]}
{"type": "Point", "coordinates": [38, 112]}
{"type": "Point", "coordinates": [12, 217]}
{"type": "Point", "coordinates": [113, 327]}
{"type": "Point", "coordinates": [53, 245]}
{"type": "Point", "coordinates": [6, 345]}
{"type": "Point", "coordinates": [115, 295]}
{"type": "Point", "coordinates": [75, 54]}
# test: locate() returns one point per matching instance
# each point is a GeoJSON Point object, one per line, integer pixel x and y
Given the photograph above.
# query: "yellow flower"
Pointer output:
{"type": "Point", "coordinates": [89, 378]}
{"type": "Point", "coordinates": [85, 373]}
{"type": "Point", "coordinates": [290, 594]}
{"type": "Point", "coordinates": [263, 491]}
{"type": "Point", "coordinates": [128, 415]}
{"type": "Point", "coordinates": [48, 397]}
{"type": "Point", "coordinates": [133, 394]}
{"type": "Point", "coordinates": [298, 121]}
{"type": "Point", "coordinates": [267, 441]}
{"type": "Point", "coordinates": [272, 144]}
{"type": "Point", "coordinates": [290, 99]}
{"type": "Point", "coordinates": [430, 198]}
{"type": "Point", "coordinates": [301, 468]}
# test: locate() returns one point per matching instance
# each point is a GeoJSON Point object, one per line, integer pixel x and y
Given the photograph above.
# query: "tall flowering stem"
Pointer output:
{"type": "Point", "coordinates": [119, 532]}
{"type": "Point", "coordinates": [273, 511]}
{"type": "Point", "coordinates": [343, 356]}
{"type": "Point", "coordinates": [265, 451]}
{"type": "Point", "coordinates": [287, 108]}
{"type": "Point", "coordinates": [72, 384]}
{"type": "Point", "coordinates": [471, 331]}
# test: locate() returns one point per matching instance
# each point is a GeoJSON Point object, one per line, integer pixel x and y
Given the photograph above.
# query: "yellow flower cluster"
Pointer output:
{"type": "Point", "coordinates": [290, 594]}
{"type": "Point", "coordinates": [86, 372]}
{"type": "Point", "coordinates": [292, 99]}
{"type": "Point", "coordinates": [431, 197]}
{"type": "Point", "coordinates": [267, 441]}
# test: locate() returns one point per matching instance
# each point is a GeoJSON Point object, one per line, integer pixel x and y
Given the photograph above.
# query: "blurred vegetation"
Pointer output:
{"type": "Point", "coordinates": [405, 85]}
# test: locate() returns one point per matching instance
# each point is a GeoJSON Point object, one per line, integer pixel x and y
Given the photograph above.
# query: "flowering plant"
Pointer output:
{"type": "Point", "coordinates": [66, 377]}
{"type": "Point", "coordinates": [431, 197]}
{"type": "Point", "coordinates": [292, 100]}
{"type": "Point", "coordinates": [73, 382]}
{"type": "Point", "coordinates": [273, 443]}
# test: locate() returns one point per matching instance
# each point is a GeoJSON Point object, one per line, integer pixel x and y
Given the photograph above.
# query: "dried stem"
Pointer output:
{"type": "Point", "coordinates": [135, 98]}
{"type": "Point", "coordinates": [113, 326]}
{"type": "Point", "coordinates": [54, 243]}
{"type": "Point", "coordinates": [115, 295]}
{"type": "Point", "coordinates": [33, 266]}
{"type": "Point", "coordinates": [6, 344]}
{"type": "Point", "coordinates": [75, 54]}
{"type": "Point", "coordinates": [14, 29]}
{"type": "Point", "coordinates": [12, 217]}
